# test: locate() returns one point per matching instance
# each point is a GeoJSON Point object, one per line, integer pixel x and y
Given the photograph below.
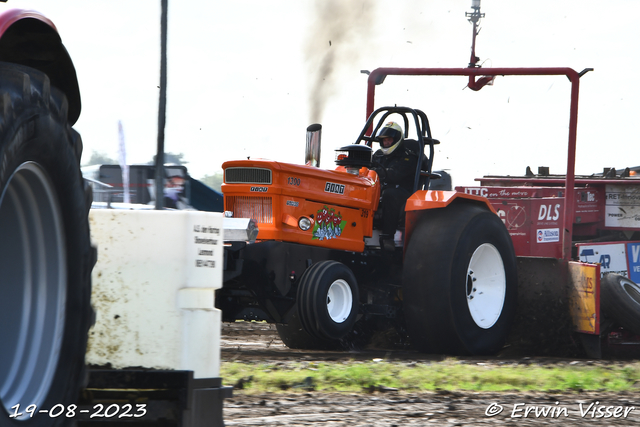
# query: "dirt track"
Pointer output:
{"type": "Point", "coordinates": [259, 342]}
{"type": "Point", "coordinates": [453, 409]}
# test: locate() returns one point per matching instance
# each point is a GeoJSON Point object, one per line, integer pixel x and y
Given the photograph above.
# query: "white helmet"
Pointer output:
{"type": "Point", "coordinates": [390, 130]}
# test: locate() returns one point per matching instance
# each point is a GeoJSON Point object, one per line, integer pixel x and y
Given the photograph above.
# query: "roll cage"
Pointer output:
{"type": "Point", "coordinates": [421, 123]}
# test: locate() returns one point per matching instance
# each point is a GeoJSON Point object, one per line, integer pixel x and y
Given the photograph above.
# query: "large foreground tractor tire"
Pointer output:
{"type": "Point", "coordinates": [459, 282]}
{"type": "Point", "coordinates": [45, 252]}
{"type": "Point", "coordinates": [328, 300]}
{"type": "Point", "coordinates": [620, 298]}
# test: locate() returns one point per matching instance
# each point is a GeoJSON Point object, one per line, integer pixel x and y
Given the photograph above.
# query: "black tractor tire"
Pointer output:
{"type": "Point", "coordinates": [46, 255]}
{"type": "Point", "coordinates": [449, 308]}
{"type": "Point", "coordinates": [328, 300]}
{"type": "Point", "coordinates": [620, 300]}
{"type": "Point", "coordinates": [294, 336]}
{"type": "Point", "coordinates": [360, 337]}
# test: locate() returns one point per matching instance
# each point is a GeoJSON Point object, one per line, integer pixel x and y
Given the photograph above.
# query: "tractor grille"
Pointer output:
{"type": "Point", "coordinates": [257, 208]}
{"type": "Point", "coordinates": [247, 176]}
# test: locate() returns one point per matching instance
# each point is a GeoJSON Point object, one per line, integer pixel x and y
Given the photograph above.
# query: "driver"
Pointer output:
{"type": "Point", "coordinates": [396, 166]}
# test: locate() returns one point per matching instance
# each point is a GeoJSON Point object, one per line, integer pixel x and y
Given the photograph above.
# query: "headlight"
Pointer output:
{"type": "Point", "coordinates": [304, 223]}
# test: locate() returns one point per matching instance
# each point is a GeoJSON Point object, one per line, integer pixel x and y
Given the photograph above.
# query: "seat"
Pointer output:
{"type": "Point", "coordinates": [414, 146]}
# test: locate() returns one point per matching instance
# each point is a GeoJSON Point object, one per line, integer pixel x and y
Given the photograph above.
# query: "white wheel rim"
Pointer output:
{"type": "Point", "coordinates": [34, 273]}
{"type": "Point", "coordinates": [631, 289]}
{"type": "Point", "coordinates": [339, 301]}
{"type": "Point", "coordinates": [486, 285]}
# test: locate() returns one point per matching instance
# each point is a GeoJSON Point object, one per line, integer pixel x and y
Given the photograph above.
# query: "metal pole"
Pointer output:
{"type": "Point", "coordinates": [162, 108]}
{"type": "Point", "coordinates": [474, 18]}
{"type": "Point", "coordinates": [569, 186]}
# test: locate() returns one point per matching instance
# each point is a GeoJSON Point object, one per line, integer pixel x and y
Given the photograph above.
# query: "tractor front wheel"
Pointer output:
{"type": "Point", "coordinates": [328, 300]}
{"type": "Point", "coordinates": [459, 281]}
{"type": "Point", "coordinates": [293, 335]}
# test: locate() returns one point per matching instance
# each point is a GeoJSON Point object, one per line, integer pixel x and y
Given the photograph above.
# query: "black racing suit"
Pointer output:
{"type": "Point", "coordinates": [397, 172]}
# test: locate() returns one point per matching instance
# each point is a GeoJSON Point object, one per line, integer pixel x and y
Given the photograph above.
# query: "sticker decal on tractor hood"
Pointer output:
{"type": "Point", "coordinates": [331, 187]}
{"type": "Point", "coordinates": [329, 224]}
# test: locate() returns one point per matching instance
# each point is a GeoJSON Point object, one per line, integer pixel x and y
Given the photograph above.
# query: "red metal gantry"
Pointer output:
{"type": "Point", "coordinates": [479, 77]}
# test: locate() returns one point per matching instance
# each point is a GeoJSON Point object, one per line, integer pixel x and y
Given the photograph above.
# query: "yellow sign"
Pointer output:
{"type": "Point", "coordinates": [584, 296]}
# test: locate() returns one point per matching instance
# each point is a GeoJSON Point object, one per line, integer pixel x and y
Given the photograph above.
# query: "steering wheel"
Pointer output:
{"type": "Point", "coordinates": [380, 170]}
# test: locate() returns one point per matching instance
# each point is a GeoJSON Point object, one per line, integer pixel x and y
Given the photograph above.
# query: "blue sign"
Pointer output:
{"type": "Point", "coordinates": [633, 258]}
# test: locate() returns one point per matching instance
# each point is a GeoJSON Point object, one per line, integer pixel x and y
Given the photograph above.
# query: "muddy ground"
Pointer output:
{"type": "Point", "coordinates": [259, 342]}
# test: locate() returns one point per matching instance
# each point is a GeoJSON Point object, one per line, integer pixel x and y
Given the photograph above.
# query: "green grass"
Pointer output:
{"type": "Point", "coordinates": [451, 374]}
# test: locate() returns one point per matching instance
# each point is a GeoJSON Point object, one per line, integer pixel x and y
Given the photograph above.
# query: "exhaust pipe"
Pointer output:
{"type": "Point", "coordinates": [312, 150]}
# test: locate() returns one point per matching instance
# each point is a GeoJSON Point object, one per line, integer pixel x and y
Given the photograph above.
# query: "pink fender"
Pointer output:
{"type": "Point", "coordinates": [29, 38]}
{"type": "Point", "coordinates": [11, 16]}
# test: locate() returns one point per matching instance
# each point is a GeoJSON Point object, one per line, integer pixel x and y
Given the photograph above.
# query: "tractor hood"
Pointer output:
{"type": "Point", "coordinates": [284, 199]}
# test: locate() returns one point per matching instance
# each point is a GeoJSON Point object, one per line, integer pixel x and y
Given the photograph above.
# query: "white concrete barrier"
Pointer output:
{"type": "Point", "coordinates": [154, 290]}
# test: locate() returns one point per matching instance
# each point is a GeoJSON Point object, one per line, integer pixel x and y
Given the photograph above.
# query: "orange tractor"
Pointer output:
{"type": "Point", "coordinates": [317, 268]}
{"type": "Point", "coordinates": [462, 260]}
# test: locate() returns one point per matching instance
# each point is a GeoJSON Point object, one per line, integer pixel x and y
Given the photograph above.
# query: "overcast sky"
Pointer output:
{"type": "Point", "coordinates": [243, 78]}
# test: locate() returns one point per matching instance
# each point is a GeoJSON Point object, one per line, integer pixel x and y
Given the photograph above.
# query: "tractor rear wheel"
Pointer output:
{"type": "Point", "coordinates": [45, 251]}
{"type": "Point", "coordinates": [459, 281]}
{"type": "Point", "coordinates": [328, 300]}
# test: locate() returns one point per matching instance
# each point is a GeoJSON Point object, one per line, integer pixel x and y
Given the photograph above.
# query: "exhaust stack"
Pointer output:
{"type": "Point", "coordinates": [312, 150]}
